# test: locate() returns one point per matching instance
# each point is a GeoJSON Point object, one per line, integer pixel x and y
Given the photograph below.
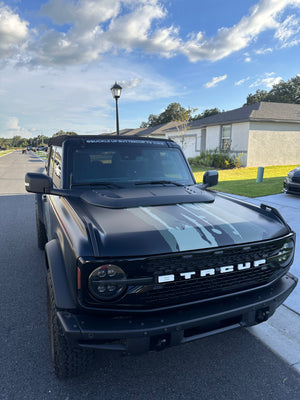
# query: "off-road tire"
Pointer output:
{"type": "Point", "coordinates": [41, 230]}
{"type": "Point", "coordinates": [67, 360]}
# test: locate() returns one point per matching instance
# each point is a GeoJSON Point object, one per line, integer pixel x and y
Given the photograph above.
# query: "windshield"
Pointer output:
{"type": "Point", "coordinates": [129, 165]}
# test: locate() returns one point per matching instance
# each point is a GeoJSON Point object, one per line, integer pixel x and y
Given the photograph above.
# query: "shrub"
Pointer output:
{"type": "Point", "coordinates": [216, 158]}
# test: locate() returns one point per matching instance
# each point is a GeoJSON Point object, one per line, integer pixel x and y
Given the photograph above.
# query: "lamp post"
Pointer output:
{"type": "Point", "coordinates": [116, 94]}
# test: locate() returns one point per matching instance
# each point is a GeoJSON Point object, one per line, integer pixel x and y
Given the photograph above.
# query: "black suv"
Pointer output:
{"type": "Point", "coordinates": [140, 257]}
{"type": "Point", "coordinates": [291, 183]}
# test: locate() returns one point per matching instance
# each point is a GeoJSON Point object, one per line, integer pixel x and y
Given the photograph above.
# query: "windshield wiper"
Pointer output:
{"type": "Point", "coordinates": [96, 184]}
{"type": "Point", "coordinates": [161, 182]}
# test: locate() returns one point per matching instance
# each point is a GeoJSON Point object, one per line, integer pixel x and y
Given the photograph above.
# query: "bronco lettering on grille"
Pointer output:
{"type": "Point", "coordinates": [210, 271]}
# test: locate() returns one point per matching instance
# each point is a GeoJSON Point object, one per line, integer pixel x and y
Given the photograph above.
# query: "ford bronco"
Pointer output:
{"type": "Point", "coordinates": [140, 257]}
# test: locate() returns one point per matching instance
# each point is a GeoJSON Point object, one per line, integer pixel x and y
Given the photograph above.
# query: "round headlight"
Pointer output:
{"type": "Point", "coordinates": [283, 256]}
{"type": "Point", "coordinates": [107, 282]}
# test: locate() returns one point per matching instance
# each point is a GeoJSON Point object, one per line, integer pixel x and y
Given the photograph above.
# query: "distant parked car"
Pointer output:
{"type": "Point", "coordinates": [29, 148]}
{"type": "Point", "coordinates": [42, 148]}
{"type": "Point", "coordinates": [292, 182]}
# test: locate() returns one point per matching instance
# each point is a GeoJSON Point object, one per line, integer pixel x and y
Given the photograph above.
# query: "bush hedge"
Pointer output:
{"type": "Point", "coordinates": [220, 159]}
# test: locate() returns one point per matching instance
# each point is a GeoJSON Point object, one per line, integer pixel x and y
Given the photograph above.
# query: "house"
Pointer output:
{"type": "Point", "coordinates": [264, 133]}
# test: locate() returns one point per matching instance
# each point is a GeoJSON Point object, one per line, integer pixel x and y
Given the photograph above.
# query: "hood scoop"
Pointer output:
{"type": "Point", "coordinates": [141, 197]}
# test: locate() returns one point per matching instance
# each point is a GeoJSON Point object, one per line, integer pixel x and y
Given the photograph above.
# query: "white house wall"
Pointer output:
{"type": "Point", "coordinates": [212, 137]}
{"type": "Point", "coordinates": [239, 140]}
{"type": "Point", "coordinates": [191, 141]}
{"type": "Point", "coordinates": [188, 143]}
{"type": "Point", "coordinates": [273, 144]}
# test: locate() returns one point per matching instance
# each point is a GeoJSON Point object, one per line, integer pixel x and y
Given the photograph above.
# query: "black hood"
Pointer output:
{"type": "Point", "coordinates": [181, 226]}
{"type": "Point", "coordinates": [155, 195]}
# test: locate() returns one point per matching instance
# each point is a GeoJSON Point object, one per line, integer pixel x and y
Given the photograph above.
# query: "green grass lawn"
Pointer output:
{"type": "Point", "coordinates": [2, 152]}
{"type": "Point", "coordinates": [242, 181]}
{"type": "Point", "coordinates": [42, 154]}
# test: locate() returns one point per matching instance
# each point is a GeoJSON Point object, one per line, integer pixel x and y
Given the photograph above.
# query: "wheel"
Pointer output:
{"type": "Point", "coordinates": [40, 229]}
{"type": "Point", "coordinates": [67, 360]}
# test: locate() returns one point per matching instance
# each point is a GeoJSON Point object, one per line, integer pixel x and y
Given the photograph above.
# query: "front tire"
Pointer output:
{"type": "Point", "coordinates": [67, 360]}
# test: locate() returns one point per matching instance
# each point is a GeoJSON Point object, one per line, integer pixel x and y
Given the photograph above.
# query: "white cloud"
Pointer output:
{"type": "Point", "coordinates": [102, 26]}
{"type": "Point", "coordinates": [215, 81]}
{"type": "Point", "coordinates": [132, 83]}
{"type": "Point", "coordinates": [13, 31]}
{"type": "Point", "coordinates": [240, 82]}
{"type": "Point", "coordinates": [228, 40]}
{"type": "Point", "coordinates": [11, 128]}
{"type": "Point", "coordinates": [91, 29]}
{"type": "Point", "coordinates": [268, 80]}
{"type": "Point", "coordinates": [248, 59]}
{"type": "Point", "coordinates": [264, 51]}
{"type": "Point", "coordinates": [83, 14]}
{"type": "Point", "coordinates": [74, 98]}
{"type": "Point", "coordinates": [288, 32]}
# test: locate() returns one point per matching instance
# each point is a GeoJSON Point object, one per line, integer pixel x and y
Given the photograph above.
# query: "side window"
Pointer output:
{"type": "Point", "coordinates": [225, 137]}
{"type": "Point", "coordinates": [57, 170]}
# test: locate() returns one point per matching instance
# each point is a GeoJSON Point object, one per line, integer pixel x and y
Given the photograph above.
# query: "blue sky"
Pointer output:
{"type": "Point", "coordinates": [59, 58]}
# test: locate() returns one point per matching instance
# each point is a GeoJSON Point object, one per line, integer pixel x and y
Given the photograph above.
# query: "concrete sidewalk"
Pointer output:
{"type": "Point", "coordinates": [289, 207]}
{"type": "Point", "coordinates": [281, 332]}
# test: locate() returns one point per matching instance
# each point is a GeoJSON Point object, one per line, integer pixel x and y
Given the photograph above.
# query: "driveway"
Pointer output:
{"type": "Point", "coordinates": [281, 332]}
{"type": "Point", "coordinates": [289, 207]}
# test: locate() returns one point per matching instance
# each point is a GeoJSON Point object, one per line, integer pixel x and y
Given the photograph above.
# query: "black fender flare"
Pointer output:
{"type": "Point", "coordinates": [55, 262]}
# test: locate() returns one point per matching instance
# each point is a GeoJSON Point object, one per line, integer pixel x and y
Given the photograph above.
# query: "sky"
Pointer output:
{"type": "Point", "coordinates": [59, 59]}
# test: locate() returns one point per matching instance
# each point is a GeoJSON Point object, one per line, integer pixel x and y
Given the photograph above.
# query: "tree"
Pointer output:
{"type": "Point", "coordinates": [4, 143]}
{"type": "Point", "coordinates": [207, 113]}
{"type": "Point", "coordinates": [153, 120]}
{"type": "Point", "coordinates": [286, 92]}
{"type": "Point", "coordinates": [182, 121]}
{"type": "Point", "coordinates": [61, 132]}
{"type": "Point", "coordinates": [16, 141]}
{"type": "Point", "coordinates": [174, 112]}
{"type": "Point", "coordinates": [282, 92]}
{"type": "Point", "coordinates": [259, 95]}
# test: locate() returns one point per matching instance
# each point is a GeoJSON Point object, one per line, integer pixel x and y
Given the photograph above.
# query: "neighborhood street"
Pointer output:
{"type": "Point", "coordinates": [233, 366]}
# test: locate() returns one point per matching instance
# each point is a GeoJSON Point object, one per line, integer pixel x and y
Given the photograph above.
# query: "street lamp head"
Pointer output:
{"type": "Point", "coordinates": [116, 91]}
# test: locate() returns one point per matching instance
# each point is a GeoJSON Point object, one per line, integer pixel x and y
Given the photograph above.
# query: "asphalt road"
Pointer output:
{"type": "Point", "coordinates": [230, 366]}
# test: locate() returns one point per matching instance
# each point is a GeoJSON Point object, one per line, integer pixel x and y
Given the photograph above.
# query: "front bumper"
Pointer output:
{"type": "Point", "coordinates": [138, 334]}
{"type": "Point", "coordinates": [291, 187]}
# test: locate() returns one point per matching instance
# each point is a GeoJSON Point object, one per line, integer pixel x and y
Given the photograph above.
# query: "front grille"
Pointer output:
{"type": "Point", "coordinates": [203, 260]}
{"type": "Point", "coordinates": [198, 288]}
{"type": "Point", "coordinates": [296, 179]}
{"type": "Point", "coordinates": [149, 294]}
{"type": "Point", "coordinates": [210, 286]}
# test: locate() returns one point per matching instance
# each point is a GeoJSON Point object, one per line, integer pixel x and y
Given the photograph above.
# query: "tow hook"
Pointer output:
{"type": "Point", "coordinates": [262, 315]}
{"type": "Point", "coordinates": [160, 343]}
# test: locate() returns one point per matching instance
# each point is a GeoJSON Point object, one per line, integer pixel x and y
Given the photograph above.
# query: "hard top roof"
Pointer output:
{"type": "Point", "coordinates": [59, 140]}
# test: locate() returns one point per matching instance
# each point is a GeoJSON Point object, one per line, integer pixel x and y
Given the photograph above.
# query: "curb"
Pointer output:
{"type": "Point", "coordinates": [281, 334]}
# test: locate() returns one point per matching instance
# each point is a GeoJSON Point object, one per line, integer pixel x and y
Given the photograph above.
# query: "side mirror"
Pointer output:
{"type": "Point", "coordinates": [210, 178]}
{"type": "Point", "coordinates": [38, 183]}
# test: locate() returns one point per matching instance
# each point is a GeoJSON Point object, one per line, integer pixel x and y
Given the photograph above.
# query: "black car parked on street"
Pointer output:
{"type": "Point", "coordinates": [291, 183]}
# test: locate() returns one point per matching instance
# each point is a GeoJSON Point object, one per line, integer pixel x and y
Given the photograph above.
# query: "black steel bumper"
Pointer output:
{"type": "Point", "coordinates": [139, 334]}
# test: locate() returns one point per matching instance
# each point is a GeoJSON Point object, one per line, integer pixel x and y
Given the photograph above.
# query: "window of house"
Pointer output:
{"type": "Point", "coordinates": [225, 137]}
